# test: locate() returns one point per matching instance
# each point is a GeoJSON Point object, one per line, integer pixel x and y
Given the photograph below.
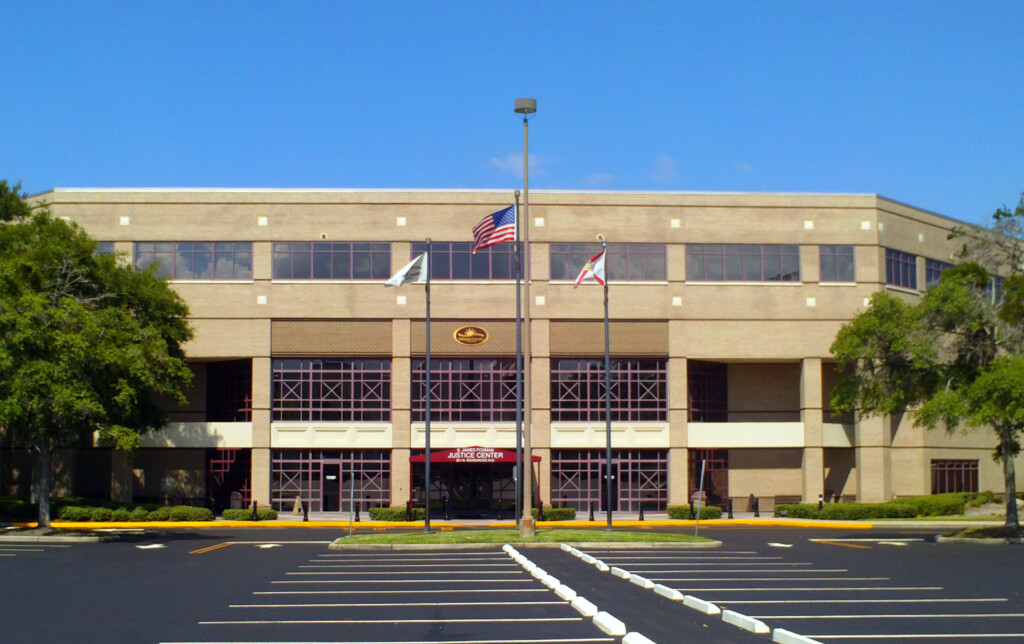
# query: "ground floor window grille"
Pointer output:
{"type": "Point", "coordinates": [954, 476]}
{"type": "Point", "coordinates": [329, 480]}
{"type": "Point", "coordinates": [639, 476]}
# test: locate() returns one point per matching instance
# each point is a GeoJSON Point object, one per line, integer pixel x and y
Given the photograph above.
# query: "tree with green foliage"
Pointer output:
{"type": "Point", "coordinates": [12, 202]}
{"type": "Point", "coordinates": [88, 345]}
{"type": "Point", "coordinates": [956, 358]}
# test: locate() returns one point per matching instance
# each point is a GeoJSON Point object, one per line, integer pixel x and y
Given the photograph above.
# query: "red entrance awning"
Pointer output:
{"type": "Point", "coordinates": [471, 455]}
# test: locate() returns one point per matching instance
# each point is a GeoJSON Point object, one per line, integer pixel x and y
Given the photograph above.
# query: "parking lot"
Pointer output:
{"type": "Point", "coordinates": [268, 585]}
{"type": "Point", "coordinates": [404, 597]}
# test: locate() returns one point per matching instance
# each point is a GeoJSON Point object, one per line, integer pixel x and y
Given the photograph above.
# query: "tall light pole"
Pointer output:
{"type": "Point", "coordinates": [526, 107]}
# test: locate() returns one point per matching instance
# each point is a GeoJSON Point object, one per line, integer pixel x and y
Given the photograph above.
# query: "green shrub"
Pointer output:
{"type": "Point", "coordinates": [100, 514]}
{"type": "Point", "coordinates": [138, 514]}
{"type": "Point", "coordinates": [74, 513]}
{"type": "Point", "coordinates": [189, 513]}
{"type": "Point", "coordinates": [397, 514]}
{"type": "Point", "coordinates": [121, 514]}
{"type": "Point", "coordinates": [556, 514]}
{"type": "Point", "coordinates": [162, 513]}
{"type": "Point", "coordinates": [683, 512]}
{"type": "Point", "coordinates": [981, 498]}
{"type": "Point", "coordinates": [262, 514]}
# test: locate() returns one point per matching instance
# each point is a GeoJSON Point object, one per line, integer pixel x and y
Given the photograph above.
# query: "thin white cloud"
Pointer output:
{"type": "Point", "coordinates": [665, 169]}
{"type": "Point", "coordinates": [743, 166]}
{"type": "Point", "coordinates": [599, 179]}
{"type": "Point", "coordinates": [513, 164]}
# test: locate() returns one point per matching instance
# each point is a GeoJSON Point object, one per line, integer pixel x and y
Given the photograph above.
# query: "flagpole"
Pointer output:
{"type": "Point", "coordinates": [527, 528]}
{"type": "Point", "coordinates": [426, 438]}
{"type": "Point", "coordinates": [607, 396]}
{"type": "Point", "coordinates": [519, 369]}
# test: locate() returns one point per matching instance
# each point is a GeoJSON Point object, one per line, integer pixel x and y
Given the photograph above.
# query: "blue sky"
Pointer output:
{"type": "Point", "coordinates": [922, 102]}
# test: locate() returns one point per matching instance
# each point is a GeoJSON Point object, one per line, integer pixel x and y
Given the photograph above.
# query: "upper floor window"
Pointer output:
{"type": "Point", "coordinates": [624, 262]}
{"type": "Point", "coordinates": [465, 389]}
{"type": "Point", "coordinates": [332, 389]}
{"type": "Point", "coordinates": [836, 264]}
{"type": "Point", "coordinates": [332, 261]}
{"type": "Point", "coordinates": [456, 261]}
{"type": "Point", "coordinates": [196, 260]}
{"type": "Point", "coordinates": [933, 269]}
{"type": "Point", "coordinates": [709, 391]}
{"type": "Point", "coordinates": [742, 263]}
{"type": "Point", "coordinates": [639, 389]}
{"type": "Point", "coordinates": [104, 248]}
{"type": "Point", "coordinates": [900, 269]}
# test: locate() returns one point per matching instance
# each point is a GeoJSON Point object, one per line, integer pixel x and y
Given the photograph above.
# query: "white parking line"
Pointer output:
{"type": "Point", "coordinates": [683, 563]}
{"type": "Point", "coordinates": [372, 555]}
{"type": "Point", "coordinates": [941, 600]}
{"type": "Point", "coordinates": [920, 636]}
{"type": "Point", "coordinates": [486, 620]}
{"type": "Point", "coordinates": [903, 616]}
{"type": "Point", "coordinates": [501, 641]}
{"type": "Point", "coordinates": [407, 581]}
{"type": "Point", "coordinates": [812, 590]}
{"type": "Point", "coordinates": [775, 579]}
{"type": "Point", "coordinates": [431, 591]}
{"type": "Point", "coordinates": [412, 572]}
{"type": "Point", "coordinates": [406, 566]}
{"type": "Point", "coordinates": [389, 604]}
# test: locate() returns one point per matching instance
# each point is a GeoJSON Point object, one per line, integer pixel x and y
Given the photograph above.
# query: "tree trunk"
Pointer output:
{"type": "Point", "coordinates": [44, 479]}
{"type": "Point", "coordinates": [1010, 478]}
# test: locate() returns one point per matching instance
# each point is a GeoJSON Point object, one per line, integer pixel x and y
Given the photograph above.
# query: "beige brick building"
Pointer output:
{"type": "Point", "coordinates": [309, 373]}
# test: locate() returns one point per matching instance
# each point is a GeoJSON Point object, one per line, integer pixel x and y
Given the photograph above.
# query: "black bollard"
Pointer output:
{"type": "Point", "coordinates": [408, 510]}
{"type": "Point", "coordinates": [692, 515]}
{"type": "Point", "coordinates": [540, 510]}
{"type": "Point", "coordinates": [591, 511]}
{"type": "Point", "coordinates": [255, 516]}
{"type": "Point", "coordinates": [305, 512]}
{"type": "Point", "coordinates": [757, 507]}
{"type": "Point", "coordinates": [357, 511]}
{"type": "Point", "coordinates": [730, 508]}
{"type": "Point", "coordinates": [641, 511]}
{"type": "Point", "coordinates": [821, 502]}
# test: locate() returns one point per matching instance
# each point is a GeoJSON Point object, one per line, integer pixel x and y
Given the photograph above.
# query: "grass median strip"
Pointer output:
{"type": "Point", "coordinates": [499, 536]}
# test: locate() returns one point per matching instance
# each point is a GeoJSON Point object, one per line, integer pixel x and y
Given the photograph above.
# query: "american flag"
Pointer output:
{"type": "Point", "coordinates": [495, 228]}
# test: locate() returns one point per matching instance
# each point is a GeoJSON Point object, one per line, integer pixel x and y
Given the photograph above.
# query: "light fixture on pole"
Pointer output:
{"type": "Point", "coordinates": [526, 107]}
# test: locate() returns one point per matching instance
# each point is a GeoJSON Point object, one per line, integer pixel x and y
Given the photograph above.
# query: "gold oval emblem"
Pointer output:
{"type": "Point", "coordinates": [470, 336]}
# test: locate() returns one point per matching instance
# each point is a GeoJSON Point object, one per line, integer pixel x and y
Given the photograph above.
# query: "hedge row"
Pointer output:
{"type": "Point", "coordinates": [137, 513]}
{"type": "Point", "coordinates": [847, 511]}
{"type": "Point", "coordinates": [928, 506]}
{"type": "Point", "coordinates": [683, 512]}
{"type": "Point", "coordinates": [262, 514]}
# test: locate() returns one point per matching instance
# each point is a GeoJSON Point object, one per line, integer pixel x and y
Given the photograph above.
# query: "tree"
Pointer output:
{"type": "Point", "coordinates": [955, 359]}
{"type": "Point", "coordinates": [87, 345]}
{"type": "Point", "coordinates": [12, 202]}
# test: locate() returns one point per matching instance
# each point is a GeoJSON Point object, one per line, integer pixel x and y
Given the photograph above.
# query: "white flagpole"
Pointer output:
{"type": "Point", "coordinates": [426, 438]}
{"type": "Point", "coordinates": [607, 391]}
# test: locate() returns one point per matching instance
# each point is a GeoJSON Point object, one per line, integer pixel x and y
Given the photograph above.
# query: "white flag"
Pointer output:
{"type": "Point", "coordinates": [593, 271]}
{"type": "Point", "coordinates": [415, 272]}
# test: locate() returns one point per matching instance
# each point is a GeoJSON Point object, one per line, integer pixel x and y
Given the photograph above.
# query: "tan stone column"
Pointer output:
{"type": "Point", "coordinates": [401, 413]}
{"type": "Point", "coordinates": [872, 445]}
{"type": "Point", "coordinates": [260, 480]}
{"type": "Point", "coordinates": [678, 413]}
{"type": "Point", "coordinates": [401, 476]}
{"type": "Point", "coordinates": [812, 417]}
